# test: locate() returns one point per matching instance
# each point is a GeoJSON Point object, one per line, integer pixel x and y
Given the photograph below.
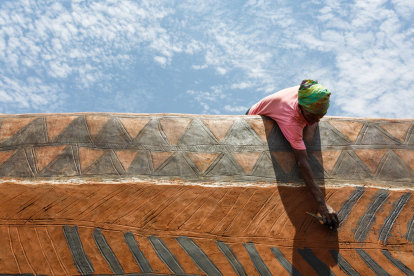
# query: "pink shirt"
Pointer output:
{"type": "Point", "coordinates": [283, 107]}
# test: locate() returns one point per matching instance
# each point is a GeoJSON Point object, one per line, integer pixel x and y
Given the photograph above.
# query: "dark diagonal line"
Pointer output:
{"type": "Point", "coordinates": [107, 252]}
{"type": "Point", "coordinates": [165, 255]}
{"type": "Point", "coordinates": [386, 228]}
{"type": "Point", "coordinates": [285, 263]}
{"type": "Point", "coordinates": [257, 260]}
{"type": "Point", "coordinates": [371, 263]}
{"type": "Point", "coordinates": [397, 263]}
{"type": "Point", "coordinates": [232, 258]}
{"type": "Point", "coordinates": [82, 262]}
{"type": "Point", "coordinates": [139, 256]}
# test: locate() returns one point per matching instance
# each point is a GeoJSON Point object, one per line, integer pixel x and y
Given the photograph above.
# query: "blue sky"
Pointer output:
{"type": "Point", "coordinates": [204, 57]}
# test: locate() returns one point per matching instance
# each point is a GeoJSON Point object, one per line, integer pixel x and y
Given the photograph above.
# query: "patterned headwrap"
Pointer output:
{"type": "Point", "coordinates": [313, 97]}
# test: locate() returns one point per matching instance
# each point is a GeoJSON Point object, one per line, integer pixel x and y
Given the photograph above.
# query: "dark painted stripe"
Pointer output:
{"type": "Point", "coordinates": [364, 223]}
{"type": "Point", "coordinates": [198, 256]}
{"type": "Point", "coordinates": [232, 258]}
{"type": "Point", "coordinates": [127, 274]}
{"type": "Point", "coordinates": [107, 252]}
{"type": "Point", "coordinates": [23, 274]}
{"type": "Point", "coordinates": [285, 263]}
{"type": "Point", "coordinates": [257, 260]}
{"type": "Point", "coordinates": [410, 232]}
{"type": "Point", "coordinates": [343, 264]}
{"type": "Point", "coordinates": [386, 228]}
{"type": "Point", "coordinates": [320, 267]}
{"type": "Point", "coordinates": [82, 262]}
{"type": "Point", "coordinates": [347, 206]}
{"type": "Point", "coordinates": [371, 263]}
{"type": "Point", "coordinates": [139, 256]}
{"type": "Point", "coordinates": [165, 255]}
{"type": "Point", "coordinates": [397, 263]}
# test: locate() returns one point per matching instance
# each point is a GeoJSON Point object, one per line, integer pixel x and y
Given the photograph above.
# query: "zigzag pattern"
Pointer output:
{"type": "Point", "coordinates": [193, 230]}
{"type": "Point", "coordinates": [201, 148]}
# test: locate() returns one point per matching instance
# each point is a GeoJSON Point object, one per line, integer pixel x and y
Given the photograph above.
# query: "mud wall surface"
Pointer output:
{"type": "Point", "coordinates": [201, 148]}
{"type": "Point", "coordinates": [169, 194]}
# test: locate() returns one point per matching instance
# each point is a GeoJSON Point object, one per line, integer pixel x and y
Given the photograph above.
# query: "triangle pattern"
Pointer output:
{"type": "Point", "coordinates": [285, 159]}
{"type": "Point", "coordinates": [16, 166]}
{"type": "Point", "coordinates": [126, 157]}
{"type": "Point", "coordinates": [62, 165]}
{"type": "Point", "coordinates": [393, 169]}
{"type": "Point", "coordinates": [174, 128]}
{"type": "Point", "coordinates": [111, 133]}
{"type": "Point", "coordinates": [88, 156]}
{"type": "Point", "coordinates": [411, 139]}
{"type": "Point", "coordinates": [159, 157]}
{"type": "Point", "coordinates": [56, 124]}
{"type": "Point", "coordinates": [264, 167]}
{"type": "Point", "coordinates": [196, 134]}
{"type": "Point", "coordinates": [150, 135]}
{"type": "Point", "coordinates": [349, 129]}
{"type": "Point", "coordinates": [318, 170]}
{"type": "Point", "coordinates": [103, 166]}
{"type": "Point", "coordinates": [134, 125]}
{"type": "Point", "coordinates": [309, 133]}
{"type": "Point", "coordinates": [45, 155]}
{"type": "Point", "coordinates": [328, 137]}
{"type": "Point", "coordinates": [33, 133]}
{"type": "Point", "coordinates": [224, 167]}
{"type": "Point", "coordinates": [277, 141]}
{"type": "Point", "coordinates": [140, 165]}
{"type": "Point", "coordinates": [10, 126]}
{"type": "Point", "coordinates": [262, 127]}
{"type": "Point", "coordinates": [176, 165]}
{"type": "Point", "coordinates": [374, 136]}
{"type": "Point", "coordinates": [5, 155]}
{"type": "Point", "coordinates": [75, 132]}
{"type": "Point", "coordinates": [371, 157]}
{"type": "Point", "coordinates": [242, 134]}
{"type": "Point", "coordinates": [247, 160]}
{"type": "Point", "coordinates": [219, 127]}
{"type": "Point", "coordinates": [398, 130]}
{"type": "Point", "coordinates": [407, 156]}
{"type": "Point", "coordinates": [96, 123]}
{"type": "Point", "coordinates": [202, 160]}
{"type": "Point", "coordinates": [350, 169]}
{"type": "Point", "coordinates": [327, 159]}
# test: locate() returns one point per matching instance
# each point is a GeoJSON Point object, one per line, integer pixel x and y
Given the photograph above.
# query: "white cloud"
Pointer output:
{"type": "Point", "coordinates": [206, 99]}
{"type": "Point", "coordinates": [82, 42]}
{"type": "Point", "coordinates": [221, 71]}
{"type": "Point", "coordinates": [237, 109]}
{"type": "Point", "coordinates": [199, 67]}
{"type": "Point", "coordinates": [30, 93]}
{"type": "Point", "coordinates": [161, 60]}
{"type": "Point", "coordinates": [362, 50]}
{"type": "Point", "coordinates": [404, 8]}
{"type": "Point", "coordinates": [241, 85]}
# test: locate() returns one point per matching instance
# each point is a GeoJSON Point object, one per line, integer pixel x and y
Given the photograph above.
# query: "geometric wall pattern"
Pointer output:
{"type": "Point", "coordinates": [201, 148]}
{"type": "Point", "coordinates": [143, 229]}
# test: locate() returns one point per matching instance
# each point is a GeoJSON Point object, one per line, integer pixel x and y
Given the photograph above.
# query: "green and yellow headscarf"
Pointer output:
{"type": "Point", "coordinates": [314, 97]}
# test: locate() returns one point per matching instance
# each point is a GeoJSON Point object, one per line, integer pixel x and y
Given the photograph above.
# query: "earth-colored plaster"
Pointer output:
{"type": "Point", "coordinates": [255, 224]}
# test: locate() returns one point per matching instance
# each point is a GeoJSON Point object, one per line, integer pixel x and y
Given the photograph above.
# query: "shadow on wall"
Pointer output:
{"type": "Point", "coordinates": [311, 238]}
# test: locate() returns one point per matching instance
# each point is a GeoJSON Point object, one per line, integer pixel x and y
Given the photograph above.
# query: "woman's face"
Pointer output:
{"type": "Point", "coordinates": [310, 117]}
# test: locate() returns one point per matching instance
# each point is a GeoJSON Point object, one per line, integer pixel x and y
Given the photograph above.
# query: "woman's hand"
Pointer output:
{"type": "Point", "coordinates": [329, 216]}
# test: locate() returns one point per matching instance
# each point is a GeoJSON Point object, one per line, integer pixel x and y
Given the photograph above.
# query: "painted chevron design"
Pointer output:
{"type": "Point", "coordinates": [201, 195]}
{"type": "Point", "coordinates": [52, 146]}
{"type": "Point", "coordinates": [160, 251]}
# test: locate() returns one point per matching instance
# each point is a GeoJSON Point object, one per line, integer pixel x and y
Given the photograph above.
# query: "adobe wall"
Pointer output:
{"type": "Point", "coordinates": [171, 194]}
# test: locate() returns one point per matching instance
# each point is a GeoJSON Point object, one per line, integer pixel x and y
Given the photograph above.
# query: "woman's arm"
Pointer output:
{"type": "Point", "coordinates": [328, 214]}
